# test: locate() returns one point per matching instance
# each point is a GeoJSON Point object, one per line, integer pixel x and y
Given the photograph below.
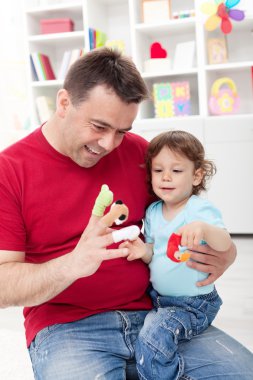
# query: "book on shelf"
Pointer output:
{"type": "Point", "coordinates": [46, 65]}
{"type": "Point", "coordinates": [45, 107]}
{"type": "Point", "coordinates": [64, 64]}
{"type": "Point", "coordinates": [69, 57]}
{"type": "Point", "coordinates": [34, 72]}
{"type": "Point", "coordinates": [38, 67]}
{"type": "Point", "coordinates": [41, 66]}
{"type": "Point", "coordinates": [75, 54]}
{"type": "Point", "coordinates": [97, 38]}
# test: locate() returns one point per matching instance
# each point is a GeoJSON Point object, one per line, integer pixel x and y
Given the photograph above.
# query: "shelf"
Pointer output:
{"type": "Point", "coordinates": [106, 15]}
{"type": "Point", "coordinates": [47, 83]}
{"type": "Point", "coordinates": [229, 66]}
{"type": "Point", "coordinates": [240, 118]}
{"type": "Point", "coordinates": [112, 2]}
{"type": "Point", "coordinates": [171, 73]}
{"type": "Point", "coordinates": [180, 26]}
{"type": "Point", "coordinates": [148, 122]}
{"type": "Point", "coordinates": [44, 11]}
{"type": "Point", "coordinates": [55, 38]}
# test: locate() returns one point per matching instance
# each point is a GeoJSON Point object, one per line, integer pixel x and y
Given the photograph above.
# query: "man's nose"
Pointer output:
{"type": "Point", "coordinates": [108, 142]}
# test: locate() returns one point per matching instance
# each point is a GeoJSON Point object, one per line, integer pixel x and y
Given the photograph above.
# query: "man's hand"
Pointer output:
{"type": "Point", "coordinates": [38, 283]}
{"type": "Point", "coordinates": [210, 261]}
{"type": "Point", "coordinates": [91, 250]}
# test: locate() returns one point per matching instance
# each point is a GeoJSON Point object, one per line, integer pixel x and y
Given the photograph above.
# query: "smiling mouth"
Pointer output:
{"type": "Point", "coordinates": [91, 150]}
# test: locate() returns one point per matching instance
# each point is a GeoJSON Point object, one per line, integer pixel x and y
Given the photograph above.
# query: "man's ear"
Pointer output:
{"type": "Point", "coordinates": [198, 175]}
{"type": "Point", "coordinates": [62, 102]}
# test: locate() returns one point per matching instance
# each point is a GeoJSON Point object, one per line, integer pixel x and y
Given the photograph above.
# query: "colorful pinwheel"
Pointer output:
{"type": "Point", "coordinates": [220, 12]}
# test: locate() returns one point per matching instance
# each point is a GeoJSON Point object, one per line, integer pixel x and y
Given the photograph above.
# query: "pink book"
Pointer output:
{"type": "Point", "coordinates": [47, 66]}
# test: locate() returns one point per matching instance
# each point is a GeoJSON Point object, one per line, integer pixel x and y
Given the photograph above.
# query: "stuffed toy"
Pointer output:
{"type": "Point", "coordinates": [118, 214]}
{"type": "Point", "coordinates": [175, 252]}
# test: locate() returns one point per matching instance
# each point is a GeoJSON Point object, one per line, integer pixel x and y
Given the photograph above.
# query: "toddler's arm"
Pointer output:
{"type": "Point", "coordinates": [138, 250]}
{"type": "Point", "coordinates": [216, 237]}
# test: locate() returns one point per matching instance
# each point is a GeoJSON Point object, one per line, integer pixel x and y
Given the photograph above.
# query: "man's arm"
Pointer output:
{"type": "Point", "coordinates": [25, 284]}
{"type": "Point", "coordinates": [210, 261]}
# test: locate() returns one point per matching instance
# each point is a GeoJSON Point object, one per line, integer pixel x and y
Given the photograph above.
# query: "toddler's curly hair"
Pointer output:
{"type": "Point", "coordinates": [182, 143]}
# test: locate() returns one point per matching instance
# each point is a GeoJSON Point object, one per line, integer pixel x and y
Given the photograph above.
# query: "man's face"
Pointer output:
{"type": "Point", "coordinates": [95, 127]}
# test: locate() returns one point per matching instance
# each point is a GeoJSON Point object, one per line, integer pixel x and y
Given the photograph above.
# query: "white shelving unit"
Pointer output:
{"type": "Point", "coordinates": [54, 45]}
{"type": "Point", "coordinates": [227, 139]}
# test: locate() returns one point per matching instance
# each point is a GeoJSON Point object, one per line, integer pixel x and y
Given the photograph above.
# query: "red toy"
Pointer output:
{"type": "Point", "coordinates": [173, 249]}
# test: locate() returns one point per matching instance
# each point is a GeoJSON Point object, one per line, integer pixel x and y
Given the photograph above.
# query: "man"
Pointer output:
{"type": "Point", "coordinates": [84, 302]}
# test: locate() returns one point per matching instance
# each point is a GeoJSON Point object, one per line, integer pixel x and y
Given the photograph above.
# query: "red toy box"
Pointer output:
{"type": "Point", "coordinates": [56, 25]}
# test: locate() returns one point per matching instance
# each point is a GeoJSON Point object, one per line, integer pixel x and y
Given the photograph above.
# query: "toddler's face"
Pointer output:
{"type": "Point", "coordinates": [173, 177]}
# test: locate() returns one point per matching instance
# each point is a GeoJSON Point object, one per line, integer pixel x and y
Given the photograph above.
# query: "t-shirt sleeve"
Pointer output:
{"type": "Point", "coordinates": [203, 210]}
{"type": "Point", "coordinates": [147, 224]}
{"type": "Point", "coordinates": [12, 231]}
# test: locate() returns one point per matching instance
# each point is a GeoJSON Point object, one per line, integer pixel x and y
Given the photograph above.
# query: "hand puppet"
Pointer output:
{"type": "Point", "coordinates": [118, 214]}
{"type": "Point", "coordinates": [174, 251]}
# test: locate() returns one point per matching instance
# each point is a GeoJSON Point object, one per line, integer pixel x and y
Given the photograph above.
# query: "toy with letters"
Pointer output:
{"type": "Point", "coordinates": [171, 99]}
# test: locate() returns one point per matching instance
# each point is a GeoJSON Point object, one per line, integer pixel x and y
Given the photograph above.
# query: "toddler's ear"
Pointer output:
{"type": "Point", "coordinates": [198, 175]}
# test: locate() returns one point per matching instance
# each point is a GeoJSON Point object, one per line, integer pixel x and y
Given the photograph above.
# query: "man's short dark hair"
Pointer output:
{"type": "Point", "coordinates": [107, 67]}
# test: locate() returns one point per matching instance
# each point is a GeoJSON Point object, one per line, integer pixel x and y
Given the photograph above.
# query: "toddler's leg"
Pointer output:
{"type": "Point", "coordinates": [157, 354]}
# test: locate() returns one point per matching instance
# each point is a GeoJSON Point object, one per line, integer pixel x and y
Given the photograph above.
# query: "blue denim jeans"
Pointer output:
{"type": "Point", "coordinates": [102, 347]}
{"type": "Point", "coordinates": [173, 320]}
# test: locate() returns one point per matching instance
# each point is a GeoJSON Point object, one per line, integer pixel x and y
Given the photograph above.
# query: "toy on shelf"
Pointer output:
{"type": "Point", "coordinates": [224, 99]}
{"type": "Point", "coordinates": [184, 56]}
{"type": "Point", "coordinates": [116, 45]}
{"type": "Point", "coordinates": [118, 214]}
{"type": "Point", "coordinates": [158, 61]}
{"type": "Point", "coordinates": [56, 25]}
{"type": "Point", "coordinates": [217, 50]}
{"type": "Point", "coordinates": [174, 251]}
{"type": "Point", "coordinates": [157, 51]}
{"type": "Point", "coordinates": [171, 99]}
{"type": "Point", "coordinates": [154, 11]}
{"type": "Point", "coordinates": [183, 14]}
{"type": "Point", "coordinates": [220, 13]}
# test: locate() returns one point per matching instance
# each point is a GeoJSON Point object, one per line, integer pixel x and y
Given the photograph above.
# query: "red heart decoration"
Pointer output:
{"type": "Point", "coordinates": [157, 51]}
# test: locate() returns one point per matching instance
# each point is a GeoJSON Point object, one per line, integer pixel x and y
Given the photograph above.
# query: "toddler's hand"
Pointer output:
{"type": "Point", "coordinates": [136, 249]}
{"type": "Point", "coordinates": [192, 234]}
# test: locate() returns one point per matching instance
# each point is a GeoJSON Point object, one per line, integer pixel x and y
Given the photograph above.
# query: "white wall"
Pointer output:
{"type": "Point", "coordinates": [14, 111]}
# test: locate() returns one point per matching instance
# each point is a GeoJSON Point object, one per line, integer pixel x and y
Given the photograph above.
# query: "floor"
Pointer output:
{"type": "Point", "coordinates": [236, 290]}
{"type": "Point", "coordinates": [235, 317]}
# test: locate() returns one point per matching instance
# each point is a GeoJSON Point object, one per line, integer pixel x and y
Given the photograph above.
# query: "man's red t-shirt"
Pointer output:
{"type": "Point", "coordinates": [45, 203]}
